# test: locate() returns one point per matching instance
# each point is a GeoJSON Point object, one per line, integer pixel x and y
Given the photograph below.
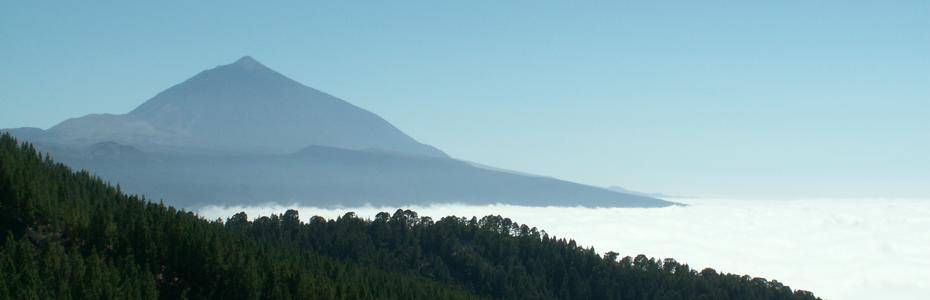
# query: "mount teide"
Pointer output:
{"type": "Point", "coordinates": [245, 134]}
{"type": "Point", "coordinates": [243, 107]}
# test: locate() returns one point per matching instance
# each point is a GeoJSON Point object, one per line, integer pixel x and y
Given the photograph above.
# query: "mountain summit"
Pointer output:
{"type": "Point", "coordinates": [243, 107]}
{"type": "Point", "coordinates": [248, 62]}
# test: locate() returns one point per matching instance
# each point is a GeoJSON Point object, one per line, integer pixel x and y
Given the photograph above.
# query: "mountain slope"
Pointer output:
{"type": "Point", "coordinates": [324, 176]}
{"type": "Point", "coordinates": [69, 235]}
{"type": "Point", "coordinates": [621, 189]}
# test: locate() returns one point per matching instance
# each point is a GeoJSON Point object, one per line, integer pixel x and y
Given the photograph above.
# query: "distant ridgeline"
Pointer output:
{"type": "Point", "coordinates": [242, 134]}
{"type": "Point", "coordinates": [68, 235]}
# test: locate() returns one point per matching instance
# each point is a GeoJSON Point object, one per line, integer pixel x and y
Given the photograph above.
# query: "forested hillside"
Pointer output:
{"type": "Point", "coordinates": [70, 235]}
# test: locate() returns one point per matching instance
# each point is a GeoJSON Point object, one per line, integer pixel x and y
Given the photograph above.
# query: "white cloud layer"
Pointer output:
{"type": "Point", "coordinates": [838, 249]}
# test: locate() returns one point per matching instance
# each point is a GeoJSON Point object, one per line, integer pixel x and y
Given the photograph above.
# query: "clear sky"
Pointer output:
{"type": "Point", "coordinates": [707, 98]}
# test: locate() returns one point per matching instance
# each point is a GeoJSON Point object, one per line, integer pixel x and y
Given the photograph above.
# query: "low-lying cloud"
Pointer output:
{"type": "Point", "coordinates": [838, 249]}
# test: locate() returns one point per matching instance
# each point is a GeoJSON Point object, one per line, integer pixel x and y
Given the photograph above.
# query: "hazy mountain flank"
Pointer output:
{"type": "Point", "coordinates": [243, 134]}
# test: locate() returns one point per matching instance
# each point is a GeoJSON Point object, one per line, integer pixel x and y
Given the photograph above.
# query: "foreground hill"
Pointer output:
{"type": "Point", "coordinates": [245, 134]}
{"type": "Point", "coordinates": [70, 235]}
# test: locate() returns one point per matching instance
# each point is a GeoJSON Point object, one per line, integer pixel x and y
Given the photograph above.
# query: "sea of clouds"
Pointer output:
{"type": "Point", "coordinates": [836, 248]}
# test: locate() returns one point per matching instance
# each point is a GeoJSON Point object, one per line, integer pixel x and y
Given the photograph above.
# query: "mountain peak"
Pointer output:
{"type": "Point", "coordinates": [247, 107]}
{"type": "Point", "coordinates": [248, 63]}
{"type": "Point", "coordinates": [246, 59]}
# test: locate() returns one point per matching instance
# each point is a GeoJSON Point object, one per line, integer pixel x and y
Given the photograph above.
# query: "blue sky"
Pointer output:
{"type": "Point", "coordinates": [775, 99]}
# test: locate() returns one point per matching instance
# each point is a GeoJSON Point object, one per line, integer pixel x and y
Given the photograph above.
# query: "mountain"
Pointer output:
{"type": "Point", "coordinates": [245, 134]}
{"type": "Point", "coordinates": [243, 107]}
{"type": "Point", "coordinates": [67, 235]}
